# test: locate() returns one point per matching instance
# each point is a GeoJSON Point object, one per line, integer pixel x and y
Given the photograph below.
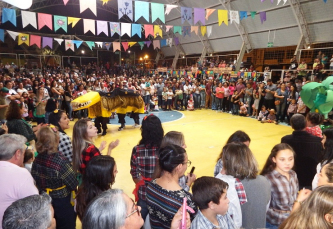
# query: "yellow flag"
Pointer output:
{"type": "Point", "coordinates": [203, 30]}
{"type": "Point", "coordinates": [73, 21]}
{"type": "Point", "coordinates": [157, 31]}
{"type": "Point", "coordinates": [130, 44]}
{"type": "Point", "coordinates": [223, 16]}
{"type": "Point", "coordinates": [23, 38]}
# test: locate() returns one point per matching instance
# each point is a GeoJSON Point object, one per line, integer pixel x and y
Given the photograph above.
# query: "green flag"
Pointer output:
{"type": "Point", "coordinates": [60, 22]}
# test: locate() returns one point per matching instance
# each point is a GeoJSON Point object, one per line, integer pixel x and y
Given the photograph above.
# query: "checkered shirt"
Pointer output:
{"type": "Point", "coordinates": [89, 152]}
{"type": "Point", "coordinates": [240, 191]}
{"type": "Point", "coordinates": [200, 221]}
{"type": "Point", "coordinates": [65, 146]}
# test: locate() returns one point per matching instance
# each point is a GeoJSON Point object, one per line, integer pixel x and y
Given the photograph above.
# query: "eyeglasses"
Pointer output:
{"type": "Point", "coordinates": [136, 209]}
{"type": "Point", "coordinates": [188, 163]}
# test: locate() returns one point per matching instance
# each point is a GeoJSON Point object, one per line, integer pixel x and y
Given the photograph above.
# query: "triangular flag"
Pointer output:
{"type": "Point", "coordinates": [168, 27]}
{"type": "Point", "coordinates": [60, 22]}
{"type": "Point", "coordinates": [157, 31]}
{"type": "Point", "coordinates": [44, 19]}
{"type": "Point", "coordinates": [125, 7]}
{"type": "Point", "coordinates": [195, 29]}
{"type": "Point", "coordinates": [2, 35]}
{"type": "Point", "coordinates": [35, 40]}
{"type": "Point", "coordinates": [163, 43]}
{"type": "Point", "coordinates": [65, 2]}
{"type": "Point", "coordinates": [203, 30]}
{"type": "Point", "coordinates": [209, 12]}
{"type": "Point", "coordinates": [186, 14]}
{"type": "Point", "coordinates": [253, 14]}
{"type": "Point", "coordinates": [102, 26]}
{"type": "Point", "coordinates": [116, 46]}
{"type": "Point", "coordinates": [169, 41]}
{"type": "Point", "coordinates": [242, 14]}
{"type": "Point", "coordinates": [114, 28]}
{"type": "Point", "coordinates": [130, 44]}
{"type": "Point", "coordinates": [13, 34]}
{"type": "Point", "coordinates": [177, 29]}
{"type": "Point", "coordinates": [69, 45]}
{"type": "Point", "coordinates": [141, 43]}
{"type": "Point", "coordinates": [169, 8]}
{"type": "Point", "coordinates": [125, 45]}
{"type": "Point", "coordinates": [107, 45]}
{"type": "Point", "coordinates": [9, 15]}
{"type": "Point", "coordinates": [148, 43]}
{"type": "Point", "coordinates": [156, 44]}
{"type": "Point", "coordinates": [325, 1]}
{"type": "Point", "coordinates": [28, 18]}
{"type": "Point", "coordinates": [262, 17]}
{"type": "Point", "coordinates": [199, 15]}
{"type": "Point", "coordinates": [157, 11]}
{"type": "Point", "coordinates": [141, 10]}
{"type": "Point", "coordinates": [90, 44]}
{"type": "Point", "coordinates": [23, 38]}
{"type": "Point", "coordinates": [136, 29]}
{"type": "Point", "coordinates": [187, 30]}
{"type": "Point", "coordinates": [176, 39]}
{"type": "Point", "coordinates": [47, 41]}
{"type": "Point", "coordinates": [223, 16]}
{"type": "Point", "coordinates": [88, 4]}
{"type": "Point", "coordinates": [99, 44]}
{"type": "Point", "coordinates": [73, 21]}
{"type": "Point", "coordinates": [149, 30]}
{"type": "Point", "coordinates": [89, 25]}
{"type": "Point", "coordinates": [59, 40]}
{"type": "Point", "coordinates": [234, 16]}
{"type": "Point", "coordinates": [77, 43]}
{"type": "Point", "coordinates": [209, 30]}
{"type": "Point", "coordinates": [126, 29]}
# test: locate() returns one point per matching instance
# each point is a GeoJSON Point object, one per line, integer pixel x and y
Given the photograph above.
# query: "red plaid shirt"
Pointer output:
{"type": "Point", "coordinates": [240, 192]}
{"type": "Point", "coordinates": [89, 152]}
{"type": "Point", "coordinates": [143, 161]}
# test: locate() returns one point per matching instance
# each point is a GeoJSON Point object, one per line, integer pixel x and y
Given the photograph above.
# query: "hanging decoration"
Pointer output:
{"type": "Point", "coordinates": [107, 45]}
{"type": "Point", "coordinates": [186, 15]}
{"type": "Point", "coordinates": [285, 1]}
{"type": "Point", "coordinates": [136, 29]}
{"type": "Point", "coordinates": [163, 42]}
{"type": "Point", "coordinates": [73, 21]}
{"type": "Point", "coordinates": [125, 7]}
{"type": "Point", "coordinates": [130, 44]}
{"type": "Point", "coordinates": [195, 29]}
{"type": "Point", "coordinates": [169, 42]}
{"type": "Point", "coordinates": [35, 40]}
{"type": "Point", "coordinates": [209, 30]}
{"type": "Point", "coordinates": [168, 27]}
{"type": "Point", "coordinates": [209, 12]}
{"type": "Point", "coordinates": [47, 41]}
{"type": "Point", "coordinates": [176, 39]}
{"type": "Point", "coordinates": [77, 43]}
{"type": "Point", "coordinates": [102, 27]}
{"type": "Point", "coordinates": [114, 28]}
{"type": "Point", "coordinates": [242, 14]}
{"type": "Point", "coordinates": [177, 29]}
{"type": "Point", "coordinates": [199, 15]}
{"type": "Point", "coordinates": [65, 2]}
{"type": "Point", "coordinates": [99, 44]}
{"type": "Point", "coordinates": [234, 16]}
{"type": "Point", "coordinates": [44, 20]}
{"type": "Point", "coordinates": [141, 10]}
{"type": "Point", "coordinates": [59, 40]}
{"type": "Point", "coordinates": [23, 38]}
{"type": "Point", "coordinates": [9, 15]}
{"type": "Point", "coordinates": [26, 4]}
{"type": "Point", "coordinates": [141, 43]}
{"type": "Point", "coordinates": [2, 35]}
{"type": "Point", "coordinates": [203, 30]}
{"type": "Point", "coordinates": [253, 14]}
{"type": "Point", "coordinates": [148, 43]}
{"type": "Point", "coordinates": [168, 8]}
{"type": "Point", "coordinates": [88, 4]}
{"type": "Point", "coordinates": [262, 17]}
{"type": "Point", "coordinates": [28, 18]}
{"type": "Point", "coordinates": [149, 30]}
{"type": "Point", "coordinates": [125, 45]}
{"type": "Point", "coordinates": [104, 1]}
{"type": "Point", "coordinates": [156, 44]}
{"type": "Point", "coordinates": [89, 25]}
{"type": "Point", "coordinates": [186, 31]}
{"type": "Point", "coordinates": [69, 45]}
{"type": "Point", "coordinates": [157, 11]}
{"type": "Point", "coordinates": [13, 34]}
{"type": "Point", "coordinates": [157, 31]}
{"type": "Point", "coordinates": [126, 29]}
{"type": "Point", "coordinates": [60, 22]}
{"type": "Point", "coordinates": [222, 16]}
{"type": "Point", "coordinates": [90, 44]}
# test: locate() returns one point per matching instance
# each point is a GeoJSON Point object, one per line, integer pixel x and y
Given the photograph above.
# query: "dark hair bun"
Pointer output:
{"type": "Point", "coordinates": [170, 157]}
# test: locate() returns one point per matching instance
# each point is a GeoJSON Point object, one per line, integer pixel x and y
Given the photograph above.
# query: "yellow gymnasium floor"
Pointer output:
{"type": "Point", "coordinates": [205, 134]}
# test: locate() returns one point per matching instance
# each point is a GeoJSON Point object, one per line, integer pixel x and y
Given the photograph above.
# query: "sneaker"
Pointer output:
{"type": "Point", "coordinates": [230, 112]}
{"type": "Point", "coordinates": [120, 128]}
{"type": "Point", "coordinates": [136, 125]}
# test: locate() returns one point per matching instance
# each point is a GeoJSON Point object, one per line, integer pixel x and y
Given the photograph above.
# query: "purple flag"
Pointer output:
{"type": "Point", "coordinates": [148, 43]}
{"type": "Point", "coordinates": [176, 40]}
{"type": "Point", "coordinates": [262, 17]}
{"type": "Point", "coordinates": [186, 14]}
{"type": "Point", "coordinates": [199, 15]}
{"type": "Point", "coordinates": [47, 41]}
{"type": "Point", "coordinates": [102, 26]}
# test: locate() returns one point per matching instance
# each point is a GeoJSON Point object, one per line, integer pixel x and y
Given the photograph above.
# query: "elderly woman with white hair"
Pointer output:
{"type": "Point", "coordinates": [114, 209]}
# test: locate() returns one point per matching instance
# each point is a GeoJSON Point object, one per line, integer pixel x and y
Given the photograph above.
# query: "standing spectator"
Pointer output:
{"type": "Point", "coordinates": [302, 67]}
{"type": "Point", "coordinates": [187, 92]}
{"type": "Point", "coordinates": [68, 100]}
{"type": "Point", "coordinates": [248, 96]}
{"type": "Point", "coordinates": [196, 95]}
{"type": "Point", "coordinates": [269, 97]}
{"type": "Point", "coordinates": [3, 104]}
{"type": "Point", "coordinates": [159, 88]}
{"type": "Point", "coordinates": [208, 95]}
{"type": "Point", "coordinates": [226, 96]}
{"type": "Point", "coordinates": [202, 89]}
{"type": "Point", "coordinates": [40, 104]}
{"type": "Point", "coordinates": [331, 63]}
{"type": "Point", "coordinates": [281, 96]}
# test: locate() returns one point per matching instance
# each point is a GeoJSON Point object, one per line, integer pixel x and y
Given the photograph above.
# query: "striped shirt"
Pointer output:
{"type": "Point", "coordinates": [200, 221]}
{"type": "Point", "coordinates": [283, 195]}
{"type": "Point", "coordinates": [164, 204]}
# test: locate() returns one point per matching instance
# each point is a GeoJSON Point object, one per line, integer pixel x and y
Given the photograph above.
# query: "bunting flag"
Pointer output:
{"type": "Point", "coordinates": [90, 44]}
{"type": "Point", "coordinates": [234, 16]}
{"type": "Point", "coordinates": [65, 2]}
{"type": "Point", "coordinates": [168, 8]}
{"type": "Point", "coordinates": [9, 15]}
{"type": "Point", "coordinates": [176, 39]}
{"type": "Point", "coordinates": [114, 28]}
{"type": "Point", "coordinates": [149, 30]}
{"type": "Point", "coordinates": [177, 29]}
{"type": "Point", "coordinates": [13, 34]}
{"type": "Point", "coordinates": [209, 12]}
{"type": "Point", "coordinates": [77, 43]}
{"type": "Point", "coordinates": [23, 38]}
{"type": "Point", "coordinates": [44, 20]}
{"type": "Point", "coordinates": [88, 4]}
{"type": "Point", "coordinates": [35, 40]}
{"type": "Point", "coordinates": [2, 35]}
{"type": "Point", "coordinates": [141, 10]}
{"type": "Point", "coordinates": [102, 27]}
{"type": "Point", "coordinates": [186, 31]}
{"type": "Point", "coordinates": [209, 30]}
{"type": "Point", "coordinates": [60, 22]}
{"type": "Point", "coordinates": [136, 29]}
{"type": "Point", "coordinates": [126, 29]}
{"type": "Point", "coordinates": [141, 43]}
{"type": "Point", "coordinates": [325, 1]}
{"type": "Point", "coordinates": [168, 27]}
{"type": "Point", "coordinates": [242, 14]}
{"type": "Point", "coordinates": [73, 21]}
{"type": "Point", "coordinates": [89, 25]}
{"type": "Point", "coordinates": [156, 44]}
{"type": "Point", "coordinates": [199, 15]}
{"type": "Point", "coordinates": [253, 14]}
{"type": "Point", "coordinates": [69, 45]}
{"type": "Point", "coordinates": [125, 7]}
{"type": "Point", "coordinates": [186, 15]}
{"type": "Point", "coordinates": [104, 2]}
{"type": "Point", "coordinates": [148, 43]}
{"type": "Point", "coordinates": [222, 16]}
{"type": "Point", "coordinates": [203, 30]}
{"type": "Point", "coordinates": [59, 40]}
{"type": "Point", "coordinates": [125, 45]}
{"type": "Point", "coordinates": [47, 41]}
{"type": "Point", "coordinates": [195, 29]}
{"type": "Point", "coordinates": [116, 46]}
{"type": "Point", "coordinates": [29, 18]}
{"type": "Point", "coordinates": [157, 11]}
{"type": "Point", "coordinates": [163, 43]}
{"type": "Point", "coordinates": [262, 17]}
{"type": "Point", "coordinates": [169, 42]}
{"type": "Point", "coordinates": [99, 44]}
{"type": "Point", "coordinates": [130, 44]}
{"type": "Point", "coordinates": [107, 45]}
{"type": "Point", "coordinates": [157, 31]}
{"type": "Point", "coordinates": [285, 1]}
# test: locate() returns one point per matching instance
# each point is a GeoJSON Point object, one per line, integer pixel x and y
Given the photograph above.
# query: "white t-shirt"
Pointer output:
{"type": "Point", "coordinates": [143, 87]}
{"type": "Point", "coordinates": [21, 90]}
{"type": "Point", "coordinates": [170, 94]}
{"type": "Point", "coordinates": [187, 89]}
{"type": "Point", "coordinates": [331, 62]}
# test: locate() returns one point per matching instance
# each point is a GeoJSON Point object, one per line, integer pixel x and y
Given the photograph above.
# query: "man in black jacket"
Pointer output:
{"type": "Point", "coordinates": [308, 149]}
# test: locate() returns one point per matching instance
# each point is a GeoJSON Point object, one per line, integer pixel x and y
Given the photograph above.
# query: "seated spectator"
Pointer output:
{"type": "Point", "coordinates": [210, 194]}
{"type": "Point", "coordinates": [32, 212]}
{"type": "Point", "coordinates": [28, 159]}
{"type": "Point", "coordinates": [313, 120]}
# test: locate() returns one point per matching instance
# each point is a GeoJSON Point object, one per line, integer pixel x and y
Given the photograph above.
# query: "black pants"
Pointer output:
{"type": "Point", "coordinates": [135, 117]}
{"type": "Point", "coordinates": [101, 121]}
{"type": "Point", "coordinates": [121, 119]}
{"type": "Point", "coordinates": [269, 104]}
{"type": "Point", "coordinates": [64, 213]}
{"type": "Point", "coordinates": [159, 100]}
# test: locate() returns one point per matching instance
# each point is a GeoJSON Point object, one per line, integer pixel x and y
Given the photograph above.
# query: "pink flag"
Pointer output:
{"type": "Point", "coordinates": [168, 27]}
{"type": "Point", "coordinates": [209, 12]}
{"type": "Point", "coordinates": [35, 40]}
{"type": "Point", "coordinates": [149, 30]}
{"type": "Point", "coordinates": [65, 2]}
{"type": "Point", "coordinates": [116, 46]}
{"type": "Point", "coordinates": [125, 45]}
{"type": "Point", "coordinates": [44, 19]}
{"type": "Point", "coordinates": [156, 44]}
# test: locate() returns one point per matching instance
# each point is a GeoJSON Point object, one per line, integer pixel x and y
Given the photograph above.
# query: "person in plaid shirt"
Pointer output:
{"type": "Point", "coordinates": [144, 158]}
{"type": "Point", "coordinates": [53, 174]}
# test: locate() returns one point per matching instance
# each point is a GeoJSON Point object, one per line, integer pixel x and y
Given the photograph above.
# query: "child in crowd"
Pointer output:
{"type": "Point", "coordinates": [271, 118]}
{"type": "Point", "coordinates": [263, 113]}
{"type": "Point", "coordinates": [313, 120]}
{"type": "Point", "coordinates": [164, 98]}
{"type": "Point", "coordinates": [301, 107]}
{"type": "Point", "coordinates": [235, 101]}
{"type": "Point", "coordinates": [170, 95]}
{"type": "Point", "coordinates": [292, 109]}
{"type": "Point", "coordinates": [284, 184]}
{"type": "Point", "coordinates": [242, 109]}
{"type": "Point", "coordinates": [255, 105]}
{"type": "Point", "coordinates": [28, 159]}
{"type": "Point", "coordinates": [210, 194]}
{"type": "Point", "coordinates": [190, 104]}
